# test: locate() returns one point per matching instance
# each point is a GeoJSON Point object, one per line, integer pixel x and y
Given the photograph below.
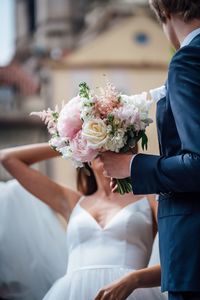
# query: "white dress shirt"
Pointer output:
{"type": "Point", "coordinates": [187, 40]}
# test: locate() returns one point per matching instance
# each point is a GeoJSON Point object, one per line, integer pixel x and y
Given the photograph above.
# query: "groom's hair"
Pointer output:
{"type": "Point", "coordinates": [186, 9]}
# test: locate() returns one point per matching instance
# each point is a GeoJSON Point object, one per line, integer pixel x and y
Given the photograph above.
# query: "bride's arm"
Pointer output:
{"type": "Point", "coordinates": [154, 207]}
{"type": "Point", "coordinates": [147, 278]}
{"type": "Point", "coordinates": [122, 288]}
{"type": "Point", "coordinates": [17, 162]}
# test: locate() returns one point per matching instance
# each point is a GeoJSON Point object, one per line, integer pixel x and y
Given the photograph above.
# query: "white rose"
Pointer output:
{"type": "Point", "coordinates": [95, 131]}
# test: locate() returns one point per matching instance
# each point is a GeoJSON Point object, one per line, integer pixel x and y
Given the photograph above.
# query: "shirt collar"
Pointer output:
{"type": "Point", "coordinates": [190, 37]}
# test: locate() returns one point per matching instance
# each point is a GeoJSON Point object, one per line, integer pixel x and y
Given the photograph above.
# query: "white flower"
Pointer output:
{"type": "Point", "coordinates": [95, 131]}
{"type": "Point", "coordinates": [134, 111]}
{"type": "Point", "coordinates": [57, 142]}
{"type": "Point", "coordinates": [86, 112]}
{"type": "Point", "coordinates": [77, 164]}
{"type": "Point", "coordinates": [87, 108]}
{"type": "Point", "coordinates": [66, 152]}
{"type": "Point", "coordinates": [117, 141]}
{"type": "Point", "coordinates": [140, 103]}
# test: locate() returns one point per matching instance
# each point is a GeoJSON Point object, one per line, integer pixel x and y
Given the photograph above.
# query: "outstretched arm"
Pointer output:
{"type": "Point", "coordinates": [17, 162]}
{"type": "Point", "coordinates": [122, 288]}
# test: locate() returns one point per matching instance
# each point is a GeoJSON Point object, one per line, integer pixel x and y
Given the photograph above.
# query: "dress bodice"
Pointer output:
{"type": "Point", "coordinates": [125, 241]}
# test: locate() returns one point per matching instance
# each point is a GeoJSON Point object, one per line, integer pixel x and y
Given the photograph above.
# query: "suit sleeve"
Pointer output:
{"type": "Point", "coordinates": [181, 173]}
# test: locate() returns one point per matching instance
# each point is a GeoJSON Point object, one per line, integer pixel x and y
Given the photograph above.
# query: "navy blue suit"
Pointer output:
{"type": "Point", "coordinates": [175, 174]}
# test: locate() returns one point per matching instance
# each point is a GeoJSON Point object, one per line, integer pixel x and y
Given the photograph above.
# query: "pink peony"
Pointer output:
{"type": "Point", "coordinates": [80, 149]}
{"type": "Point", "coordinates": [69, 121]}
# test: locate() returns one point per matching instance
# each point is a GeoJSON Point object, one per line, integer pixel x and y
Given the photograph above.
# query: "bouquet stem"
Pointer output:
{"type": "Point", "coordinates": [124, 186]}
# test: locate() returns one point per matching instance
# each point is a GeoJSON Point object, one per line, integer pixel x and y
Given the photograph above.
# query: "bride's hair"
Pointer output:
{"type": "Point", "coordinates": [86, 181]}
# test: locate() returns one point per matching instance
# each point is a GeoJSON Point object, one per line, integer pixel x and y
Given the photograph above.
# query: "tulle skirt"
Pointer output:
{"type": "Point", "coordinates": [33, 252]}
{"type": "Point", "coordinates": [84, 284]}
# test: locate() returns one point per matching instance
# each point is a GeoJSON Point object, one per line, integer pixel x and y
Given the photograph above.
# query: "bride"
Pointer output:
{"type": "Point", "coordinates": [109, 236]}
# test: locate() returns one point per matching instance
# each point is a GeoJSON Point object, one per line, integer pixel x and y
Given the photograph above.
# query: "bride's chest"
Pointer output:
{"type": "Point", "coordinates": [130, 224]}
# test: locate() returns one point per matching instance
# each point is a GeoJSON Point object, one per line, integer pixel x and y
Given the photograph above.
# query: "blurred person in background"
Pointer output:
{"type": "Point", "coordinates": [109, 236]}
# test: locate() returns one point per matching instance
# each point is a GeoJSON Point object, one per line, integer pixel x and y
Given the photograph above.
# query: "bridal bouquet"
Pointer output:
{"type": "Point", "coordinates": [90, 124]}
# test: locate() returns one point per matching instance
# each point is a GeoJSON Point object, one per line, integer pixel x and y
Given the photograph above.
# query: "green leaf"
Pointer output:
{"type": "Point", "coordinates": [110, 118]}
{"type": "Point", "coordinates": [144, 141]}
{"type": "Point", "coordinates": [131, 142]}
{"type": "Point", "coordinates": [124, 186]}
{"type": "Point", "coordinates": [125, 149]}
{"type": "Point", "coordinates": [55, 115]}
{"type": "Point", "coordinates": [84, 90]}
{"type": "Point", "coordinates": [132, 134]}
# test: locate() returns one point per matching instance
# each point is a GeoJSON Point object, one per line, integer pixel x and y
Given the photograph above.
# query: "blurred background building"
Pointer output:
{"type": "Point", "coordinates": [60, 43]}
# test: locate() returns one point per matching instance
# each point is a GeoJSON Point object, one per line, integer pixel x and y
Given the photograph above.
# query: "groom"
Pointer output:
{"type": "Point", "coordinates": [175, 174]}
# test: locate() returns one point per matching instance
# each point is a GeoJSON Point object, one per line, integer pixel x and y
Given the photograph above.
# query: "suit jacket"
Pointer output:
{"type": "Point", "coordinates": [175, 174]}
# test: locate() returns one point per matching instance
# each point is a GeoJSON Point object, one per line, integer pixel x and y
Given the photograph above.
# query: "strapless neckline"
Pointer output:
{"type": "Point", "coordinates": [111, 221]}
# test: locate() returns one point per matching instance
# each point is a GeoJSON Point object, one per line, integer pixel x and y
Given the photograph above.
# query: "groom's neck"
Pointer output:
{"type": "Point", "coordinates": [183, 28]}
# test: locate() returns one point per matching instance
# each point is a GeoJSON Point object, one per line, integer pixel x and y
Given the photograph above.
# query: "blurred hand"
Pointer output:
{"type": "Point", "coordinates": [116, 165]}
{"type": "Point", "coordinates": [118, 290]}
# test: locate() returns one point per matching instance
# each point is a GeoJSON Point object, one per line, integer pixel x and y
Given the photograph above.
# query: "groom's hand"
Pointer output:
{"type": "Point", "coordinates": [116, 165]}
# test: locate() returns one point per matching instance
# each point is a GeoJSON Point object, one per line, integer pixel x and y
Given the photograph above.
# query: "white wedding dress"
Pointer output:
{"type": "Point", "coordinates": [32, 245]}
{"type": "Point", "coordinates": [97, 256]}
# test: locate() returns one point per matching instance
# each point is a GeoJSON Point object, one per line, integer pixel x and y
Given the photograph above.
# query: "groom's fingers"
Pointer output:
{"type": "Point", "coordinates": [114, 190]}
{"type": "Point", "coordinates": [113, 185]}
